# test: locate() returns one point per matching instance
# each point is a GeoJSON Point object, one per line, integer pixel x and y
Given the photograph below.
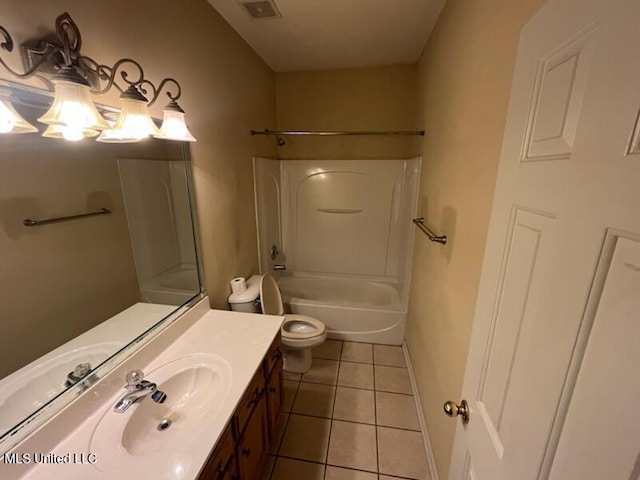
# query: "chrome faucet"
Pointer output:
{"type": "Point", "coordinates": [279, 267]}
{"type": "Point", "coordinates": [138, 388]}
{"type": "Point", "coordinates": [80, 372]}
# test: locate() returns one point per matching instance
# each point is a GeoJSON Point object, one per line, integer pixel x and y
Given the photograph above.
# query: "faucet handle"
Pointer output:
{"type": "Point", "coordinates": [134, 377]}
{"type": "Point", "coordinates": [82, 369]}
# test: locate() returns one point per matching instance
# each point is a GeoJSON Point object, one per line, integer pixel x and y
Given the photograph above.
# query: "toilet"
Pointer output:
{"type": "Point", "coordinates": [299, 333]}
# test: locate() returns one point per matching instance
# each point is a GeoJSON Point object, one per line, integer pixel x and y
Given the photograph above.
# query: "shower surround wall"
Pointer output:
{"type": "Point", "coordinates": [344, 231]}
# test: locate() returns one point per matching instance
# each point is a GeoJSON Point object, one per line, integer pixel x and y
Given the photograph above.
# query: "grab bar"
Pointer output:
{"type": "Point", "coordinates": [432, 236]}
{"type": "Point", "coordinates": [337, 133]}
{"type": "Point", "coordinates": [33, 223]}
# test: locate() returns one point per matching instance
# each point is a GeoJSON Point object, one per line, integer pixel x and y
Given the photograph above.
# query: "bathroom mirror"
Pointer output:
{"type": "Point", "coordinates": [75, 291]}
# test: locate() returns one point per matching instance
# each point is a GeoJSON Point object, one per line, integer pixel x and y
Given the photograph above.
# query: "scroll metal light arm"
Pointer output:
{"type": "Point", "coordinates": [432, 236]}
{"type": "Point", "coordinates": [7, 45]}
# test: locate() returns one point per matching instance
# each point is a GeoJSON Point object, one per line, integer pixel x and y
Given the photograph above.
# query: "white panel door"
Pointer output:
{"type": "Point", "coordinates": [551, 376]}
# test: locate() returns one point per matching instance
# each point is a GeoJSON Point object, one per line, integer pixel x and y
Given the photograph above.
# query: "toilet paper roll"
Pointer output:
{"type": "Point", "coordinates": [238, 285]}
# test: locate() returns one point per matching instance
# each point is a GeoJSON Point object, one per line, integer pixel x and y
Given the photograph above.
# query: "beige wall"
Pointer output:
{"type": "Point", "coordinates": [464, 81]}
{"type": "Point", "coordinates": [378, 98]}
{"type": "Point", "coordinates": [227, 91]}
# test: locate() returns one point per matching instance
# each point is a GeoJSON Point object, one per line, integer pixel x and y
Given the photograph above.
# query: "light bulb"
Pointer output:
{"type": "Point", "coordinates": [71, 134]}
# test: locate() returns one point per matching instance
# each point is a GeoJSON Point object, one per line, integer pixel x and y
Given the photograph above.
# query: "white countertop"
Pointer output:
{"type": "Point", "coordinates": [240, 339]}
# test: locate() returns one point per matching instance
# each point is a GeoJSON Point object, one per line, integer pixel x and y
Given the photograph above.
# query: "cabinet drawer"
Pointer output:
{"type": "Point", "coordinates": [221, 460]}
{"type": "Point", "coordinates": [274, 354]}
{"type": "Point", "coordinates": [253, 394]}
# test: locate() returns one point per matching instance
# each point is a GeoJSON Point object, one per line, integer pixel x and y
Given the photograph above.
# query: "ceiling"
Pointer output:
{"type": "Point", "coordinates": [327, 34]}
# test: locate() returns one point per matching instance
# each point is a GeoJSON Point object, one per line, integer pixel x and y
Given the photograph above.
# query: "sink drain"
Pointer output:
{"type": "Point", "coordinates": [164, 424]}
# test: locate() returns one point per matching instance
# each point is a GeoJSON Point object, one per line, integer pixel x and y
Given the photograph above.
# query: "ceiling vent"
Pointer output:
{"type": "Point", "coordinates": [261, 9]}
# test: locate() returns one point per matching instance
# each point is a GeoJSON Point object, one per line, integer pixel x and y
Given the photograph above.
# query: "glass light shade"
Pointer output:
{"type": "Point", "coordinates": [114, 136]}
{"type": "Point", "coordinates": [174, 128]}
{"type": "Point", "coordinates": [11, 121]}
{"type": "Point", "coordinates": [73, 108]}
{"type": "Point", "coordinates": [69, 133]}
{"type": "Point", "coordinates": [133, 124]}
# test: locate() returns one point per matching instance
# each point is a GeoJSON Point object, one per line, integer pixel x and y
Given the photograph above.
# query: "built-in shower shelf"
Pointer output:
{"type": "Point", "coordinates": [340, 210]}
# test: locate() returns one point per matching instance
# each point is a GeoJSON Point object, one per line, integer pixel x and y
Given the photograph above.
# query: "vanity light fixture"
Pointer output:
{"type": "Point", "coordinates": [10, 120]}
{"type": "Point", "coordinates": [73, 78]}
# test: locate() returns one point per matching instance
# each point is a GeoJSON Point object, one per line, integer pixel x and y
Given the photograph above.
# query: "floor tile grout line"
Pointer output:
{"type": "Point", "coordinates": [287, 424]}
{"type": "Point", "coordinates": [389, 366]}
{"type": "Point", "coordinates": [375, 418]}
{"type": "Point", "coordinates": [330, 465]}
{"type": "Point", "coordinates": [351, 468]}
{"type": "Point", "coordinates": [361, 388]}
{"type": "Point", "coordinates": [359, 423]}
{"type": "Point", "coordinates": [333, 409]}
{"type": "Point", "coordinates": [364, 363]}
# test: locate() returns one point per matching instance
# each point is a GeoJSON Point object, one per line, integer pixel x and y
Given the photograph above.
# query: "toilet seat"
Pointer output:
{"type": "Point", "coordinates": [316, 329]}
{"type": "Point", "coordinates": [270, 297]}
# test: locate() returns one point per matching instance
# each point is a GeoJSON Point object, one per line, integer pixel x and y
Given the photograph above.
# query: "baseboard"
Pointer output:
{"type": "Point", "coordinates": [431, 463]}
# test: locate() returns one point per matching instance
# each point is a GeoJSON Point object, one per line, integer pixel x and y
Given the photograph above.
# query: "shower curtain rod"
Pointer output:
{"type": "Point", "coordinates": [335, 133]}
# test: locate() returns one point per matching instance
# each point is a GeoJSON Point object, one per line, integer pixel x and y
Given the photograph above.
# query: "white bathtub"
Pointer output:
{"type": "Point", "coordinates": [175, 286]}
{"type": "Point", "coordinates": [352, 309]}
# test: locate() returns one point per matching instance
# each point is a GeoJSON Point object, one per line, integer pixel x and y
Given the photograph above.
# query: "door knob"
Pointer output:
{"type": "Point", "coordinates": [453, 410]}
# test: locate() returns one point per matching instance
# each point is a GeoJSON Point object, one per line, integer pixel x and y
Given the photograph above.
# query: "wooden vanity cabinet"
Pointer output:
{"type": "Point", "coordinates": [242, 448]}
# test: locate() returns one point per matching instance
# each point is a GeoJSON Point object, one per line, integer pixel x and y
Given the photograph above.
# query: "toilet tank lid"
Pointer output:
{"type": "Point", "coordinates": [250, 295]}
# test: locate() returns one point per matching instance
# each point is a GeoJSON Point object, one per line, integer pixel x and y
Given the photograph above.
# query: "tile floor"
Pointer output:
{"type": "Point", "coordinates": [351, 417]}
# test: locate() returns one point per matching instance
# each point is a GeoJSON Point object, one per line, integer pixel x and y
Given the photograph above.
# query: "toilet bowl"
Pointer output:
{"type": "Point", "coordinates": [299, 333]}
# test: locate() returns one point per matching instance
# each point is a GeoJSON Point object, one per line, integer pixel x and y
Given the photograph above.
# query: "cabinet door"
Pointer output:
{"type": "Point", "coordinates": [253, 394]}
{"type": "Point", "coordinates": [274, 397]}
{"type": "Point", "coordinates": [254, 444]}
{"type": "Point", "coordinates": [231, 473]}
{"type": "Point", "coordinates": [221, 460]}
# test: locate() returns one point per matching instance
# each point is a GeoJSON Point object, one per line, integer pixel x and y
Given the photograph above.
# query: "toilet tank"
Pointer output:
{"type": "Point", "coordinates": [247, 301]}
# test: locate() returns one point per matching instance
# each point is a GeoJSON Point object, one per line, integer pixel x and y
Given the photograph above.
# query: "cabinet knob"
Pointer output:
{"type": "Point", "coordinates": [246, 451]}
{"type": "Point", "coordinates": [272, 389]}
{"type": "Point", "coordinates": [256, 397]}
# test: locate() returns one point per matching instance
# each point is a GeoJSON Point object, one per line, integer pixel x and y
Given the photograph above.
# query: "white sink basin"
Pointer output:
{"type": "Point", "coordinates": [196, 386]}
